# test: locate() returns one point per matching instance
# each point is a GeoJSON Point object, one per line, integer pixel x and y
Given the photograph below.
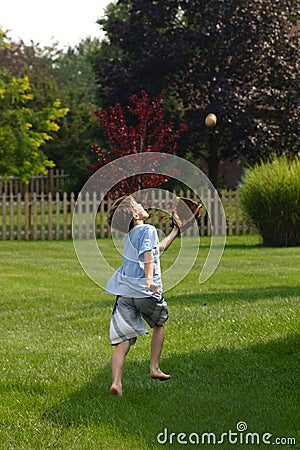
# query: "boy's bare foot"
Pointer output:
{"type": "Point", "coordinates": [157, 374]}
{"type": "Point", "coordinates": [116, 390]}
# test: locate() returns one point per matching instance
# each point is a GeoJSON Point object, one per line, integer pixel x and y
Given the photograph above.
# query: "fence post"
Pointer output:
{"type": "Point", "coordinates": [216, 213]}
{"type": "Point", "coordinates": [65, 215]}
{"type": "Point", "coordinates": [11, 216]}
{"type": "Point", "coordinates": [167, 203]}
{"type": "Point", "coordinates": [50, 211]}
{"type": "Point", "coordinates": [208, 231]}
{"type": "Point", "coordinates": [223, 200]}
{"type": "Point", "coordinates": [72, 206]}
{"type": "Point", "coordinates": [34, 204]}
{"type": "Point", "coordinates": [57, 216]}
{"type": "Point", "coordinates": [79, 215]}
{"type": "Point", "coordinates": [4, 217]}
{"type": "Point", "coordinates": [102, 209]}
{"type": "Point", "coordinates": [153, 207]}
{"type": "Point", "coordinates": [42, 215]}
{"type": "Point", "coordinates": [27, 216]}
{"type": "Point", "coordinates": [230, 212]}
{"type": "Point", "coordinates": [237, 214]}
{"type": "Point", "coordinates": [94, 209]}
{"type": "Point", "coordinates": [87, 215]}
{"type": "Point", "coordinates": [109, 202]}
{"type": "Point", "coordinates": [19, 219]}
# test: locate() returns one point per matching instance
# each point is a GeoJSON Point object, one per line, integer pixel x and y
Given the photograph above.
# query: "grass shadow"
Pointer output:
{"type": "Point", "coordinates": [248, 294]}
{"type": "Point", "coordinates": [210, 391]}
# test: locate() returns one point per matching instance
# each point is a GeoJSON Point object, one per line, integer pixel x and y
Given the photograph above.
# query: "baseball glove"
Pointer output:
{"type": "Point", "coordinates": [184, 212]}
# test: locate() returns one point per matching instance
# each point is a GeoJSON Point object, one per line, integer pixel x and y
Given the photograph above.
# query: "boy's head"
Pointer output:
{"type": "Point", "coordinates": [124, 212]}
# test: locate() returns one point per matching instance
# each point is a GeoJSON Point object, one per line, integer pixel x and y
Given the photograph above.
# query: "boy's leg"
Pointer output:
{"type": "Point", "coordinates": [118, 359]}
{"type": "Point", "coordinates": [157, 342]}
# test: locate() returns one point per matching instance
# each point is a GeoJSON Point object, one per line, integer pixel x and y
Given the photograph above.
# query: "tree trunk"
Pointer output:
{"type": "Point", "coordinates": [213, 158]}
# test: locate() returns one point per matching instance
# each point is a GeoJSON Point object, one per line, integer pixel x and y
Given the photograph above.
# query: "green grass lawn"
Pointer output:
{"type": "Point", "coordinates": [232, 347]}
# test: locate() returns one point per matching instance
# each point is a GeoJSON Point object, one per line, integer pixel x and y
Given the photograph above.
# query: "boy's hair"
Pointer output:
{"type": "Point", "coordinates": [120, 215]}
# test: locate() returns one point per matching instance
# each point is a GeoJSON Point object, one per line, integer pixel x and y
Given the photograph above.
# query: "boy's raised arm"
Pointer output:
{"type": "Point", "coordinates": [167, 241]}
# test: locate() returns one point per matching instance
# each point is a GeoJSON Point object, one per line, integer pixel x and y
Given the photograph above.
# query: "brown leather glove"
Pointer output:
{"type": "Point", "coordinates": [184, 212]}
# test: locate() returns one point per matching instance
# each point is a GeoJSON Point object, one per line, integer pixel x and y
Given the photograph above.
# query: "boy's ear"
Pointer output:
{"type": "Point", "coordinates": [135, 216]}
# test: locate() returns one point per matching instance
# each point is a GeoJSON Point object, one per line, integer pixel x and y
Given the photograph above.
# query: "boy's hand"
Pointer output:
{"type": "Point", "coordinates": [151, 286]}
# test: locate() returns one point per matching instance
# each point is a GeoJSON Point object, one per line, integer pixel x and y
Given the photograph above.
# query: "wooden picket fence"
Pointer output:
{"type": "Point", "coordinates": [39, 216]}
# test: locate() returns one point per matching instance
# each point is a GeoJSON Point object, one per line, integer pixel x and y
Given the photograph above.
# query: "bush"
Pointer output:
{"type": "Point", "coordinates": [270, 195]}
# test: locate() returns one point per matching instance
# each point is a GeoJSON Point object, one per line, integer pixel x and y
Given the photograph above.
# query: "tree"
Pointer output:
{"type": "Point", "coordinates": [79, 129]}
{"type": "Point", "coordinates": [24, 131]}
{"type": "Point", "coordinates": [25, 124]}
{"type": "Point", "coordinates": [238, 60]}
{"type": "Point", "coordinates": [68, 76]}
{"type": "Point", "coordinates": [145, 130]}
{"type": "Point", "coordinates": [247, 69]}
{"type": "Point", "coordinates": [23, 128]}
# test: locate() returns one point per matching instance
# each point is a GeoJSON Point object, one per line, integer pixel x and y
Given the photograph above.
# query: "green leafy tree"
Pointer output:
{"type": "Point", "coordinates": [67, 76]}
{"type": "Point", "coordinates": [71, 150]}
{"type": "Point", "coordinates": [24, 128]}
{"type": "Point", "coordinates": [24, 131]}
{"type": "Point", "coordinates": [235, 59]}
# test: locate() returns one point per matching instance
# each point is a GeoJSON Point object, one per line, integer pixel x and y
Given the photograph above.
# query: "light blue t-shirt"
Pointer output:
{"type": "Point", "coordinates": [129, 280]}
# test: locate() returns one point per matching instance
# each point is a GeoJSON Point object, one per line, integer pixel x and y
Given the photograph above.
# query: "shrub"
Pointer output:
{"type": "Point", "coordinates": [270, 195]}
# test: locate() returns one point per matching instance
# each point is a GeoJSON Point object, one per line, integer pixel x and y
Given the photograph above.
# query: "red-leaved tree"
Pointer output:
{"type": "Point", "coordinates": [143, 130]}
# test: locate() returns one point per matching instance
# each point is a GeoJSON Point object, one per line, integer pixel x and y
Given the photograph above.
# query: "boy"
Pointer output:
{"type": "Point", "coordinates": [138, 287]}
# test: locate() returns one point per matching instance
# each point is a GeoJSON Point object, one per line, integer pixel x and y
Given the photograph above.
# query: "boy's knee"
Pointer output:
{"type": "Point", "coordinates": [123, 346]}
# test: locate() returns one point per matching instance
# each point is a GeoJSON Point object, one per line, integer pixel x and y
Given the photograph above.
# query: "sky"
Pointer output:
{"type": "Point", "coordinates": [64, 21]}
